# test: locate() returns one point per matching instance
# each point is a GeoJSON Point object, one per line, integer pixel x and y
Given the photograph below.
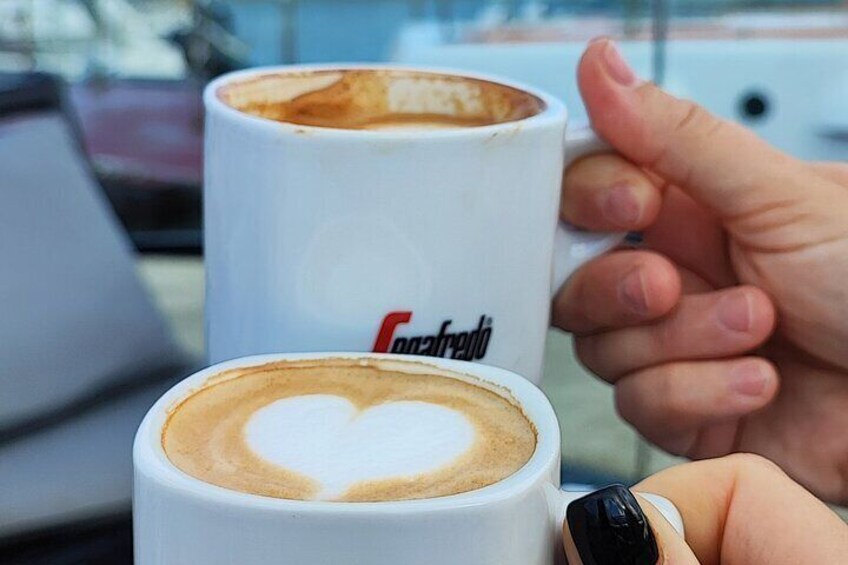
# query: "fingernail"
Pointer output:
{"type": "Point", "coordinates": [748, 379]}
{"type": "Point", "coordinates": [617, 67]}
{"type": "Point", "coordinates": [632, 291]}
{"type": "Point", "coordinates": [621, 207]}
{"type": "Point", "coordinates": [609, 528]}
{"type": "Point", "coordinates": [734, 311]}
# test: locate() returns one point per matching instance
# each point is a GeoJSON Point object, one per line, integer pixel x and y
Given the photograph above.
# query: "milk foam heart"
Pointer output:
{"type": "Point", "coordinates": [328, 439]}
{"type": "Point", "coordinates": [348, 431]}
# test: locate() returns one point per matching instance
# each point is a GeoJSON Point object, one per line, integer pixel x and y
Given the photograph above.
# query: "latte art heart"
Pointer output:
{"type": "Point", "coordinates": [348, 431]}
{"type": "Point", "coordinates": [328, 439]}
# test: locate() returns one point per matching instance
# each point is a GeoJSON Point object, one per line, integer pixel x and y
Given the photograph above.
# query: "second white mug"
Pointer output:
{"type": "Point", "coordinates": [179, 519]}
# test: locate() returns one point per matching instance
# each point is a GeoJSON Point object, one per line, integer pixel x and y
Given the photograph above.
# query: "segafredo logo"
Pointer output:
{"type": "Point", "coordinates": [467, 345]}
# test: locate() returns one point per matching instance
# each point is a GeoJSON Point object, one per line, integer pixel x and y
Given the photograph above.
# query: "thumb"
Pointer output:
{"type": "Point", "coordinates": [611, 526]}
{"type": "Point", "coordinates": [722, 165]}
{"type": "Point", "coordinates": [744, 509]}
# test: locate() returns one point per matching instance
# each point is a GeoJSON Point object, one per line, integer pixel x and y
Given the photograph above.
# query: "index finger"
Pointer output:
{"type": "Point", "coordinates": [607, 192]}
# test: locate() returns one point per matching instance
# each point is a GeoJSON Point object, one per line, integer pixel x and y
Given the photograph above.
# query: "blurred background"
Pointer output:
{"type": "Point", "coordinates": [101, 128]}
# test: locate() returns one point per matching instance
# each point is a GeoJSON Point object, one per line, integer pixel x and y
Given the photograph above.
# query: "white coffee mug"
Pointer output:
{"type": "Point", "coordinates": [517, 521]}
{"type": "Point", "coordinates": [435, 241]}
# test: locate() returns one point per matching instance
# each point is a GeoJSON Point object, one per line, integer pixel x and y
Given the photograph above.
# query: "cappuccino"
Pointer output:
{"type": "Point", "coordinates": [346, 430]}
{"type": "Point", "coordinates": [379, 99]}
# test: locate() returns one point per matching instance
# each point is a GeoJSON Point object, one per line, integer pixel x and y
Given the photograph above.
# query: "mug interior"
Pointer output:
{"type": "Point", "coordinates": [524, 394]}
{"type": "Point", "coordinates": [374, 99]}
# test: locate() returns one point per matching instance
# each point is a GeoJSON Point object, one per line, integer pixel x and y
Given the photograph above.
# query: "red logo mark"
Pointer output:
{"type": "Point", "coordinates": [387, 330]}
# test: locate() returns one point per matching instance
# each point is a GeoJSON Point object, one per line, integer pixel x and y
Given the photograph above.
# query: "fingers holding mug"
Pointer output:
{"type": "Point", "coordinates": [607, 192]}
{"type": "Point", "coordinates": [620, 289]}
{"type": "Point", "coordinates": [612, 526]}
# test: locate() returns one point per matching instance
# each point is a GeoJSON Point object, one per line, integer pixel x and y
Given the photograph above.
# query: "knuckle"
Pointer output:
{"type": "Point", "coordinates": [747, 464]}
{"type": "Point", "coordinates": [694, 119]}
{"type": "Point", "coordinates": [592, 352]}
{"type": "Point", "coordinates": [663, 339]}
{"type": "Point", "coordinates": [669, 401]}
{"type": "Point", "coordinates": [570, 311]}
{"type": "Point", "coordinates": [624, 405]}
{"type": "Point", "coordinates": [589, 173]}
{"type": "Point", "coordinates": [576, 167]}
{"type": "Point", "coordinates": [690, 123]}
{"type": "Point", "coordinates": [572, 319]}
{"type": "Point", "coordinates": [644, 393]}
{"type": "Point", "coordinates": [585, 349]}
{"type": "Point", "coordinates": [615, 168]}
{"type": "Point", "coordinates": [628, 402]}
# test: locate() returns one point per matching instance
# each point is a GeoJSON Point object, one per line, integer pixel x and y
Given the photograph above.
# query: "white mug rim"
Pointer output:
{"type": "Point", "coordinates": [149, 456]}
{"type": "Point", "coordinates": [554, 111]}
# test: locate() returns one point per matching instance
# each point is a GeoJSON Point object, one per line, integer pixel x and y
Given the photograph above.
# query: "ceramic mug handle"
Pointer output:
{"type": "Point", "coordinates": [572, 246]}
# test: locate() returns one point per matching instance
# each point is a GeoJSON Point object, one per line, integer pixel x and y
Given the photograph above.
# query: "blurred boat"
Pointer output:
{"type": "Point", "coordinates": [760, 25]}
{"type": "Point", "coordinates": [782, 73]}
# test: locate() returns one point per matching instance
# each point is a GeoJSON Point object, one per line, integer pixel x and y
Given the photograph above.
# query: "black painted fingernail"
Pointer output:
{"type": "Point", "coordinates": [609, 528]}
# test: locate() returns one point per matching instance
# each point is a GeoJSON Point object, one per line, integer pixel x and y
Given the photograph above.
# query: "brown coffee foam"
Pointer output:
{"type": "Point", "coordinates": [379, 99]}
{"type": "Point", "coordinates": [204, 434]}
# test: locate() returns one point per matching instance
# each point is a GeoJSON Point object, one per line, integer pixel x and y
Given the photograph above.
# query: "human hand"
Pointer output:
{"type": "Point", "coordinates": [737, 509]}
{"type": "Point", "coordinates": [729, 330]}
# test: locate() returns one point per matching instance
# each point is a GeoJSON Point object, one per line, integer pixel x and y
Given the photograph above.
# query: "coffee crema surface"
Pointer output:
{"type": "Point", "coordinates": [348, 430]}
{"type": "Point", "coordinates": [379, 99]}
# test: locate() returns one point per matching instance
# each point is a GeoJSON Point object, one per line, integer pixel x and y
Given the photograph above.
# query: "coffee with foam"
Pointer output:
{"type": "Point", "coordinates": [379, 99]}
{"type": "Point", "coordinates": [346, 430]}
